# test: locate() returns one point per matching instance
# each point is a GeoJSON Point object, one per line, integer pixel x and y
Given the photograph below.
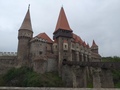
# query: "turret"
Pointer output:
{"type": "Point", "coordinates": [63, 36]}
{"type": "Point", "coordinates": [62, 28]}
{"type": "Point", "coordinates": [24, 36]}
{"type": "Point", "coordinates": [94, 47]}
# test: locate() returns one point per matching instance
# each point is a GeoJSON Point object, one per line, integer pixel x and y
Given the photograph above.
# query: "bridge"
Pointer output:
{"type": "Point", "coordinates": [78, 73]}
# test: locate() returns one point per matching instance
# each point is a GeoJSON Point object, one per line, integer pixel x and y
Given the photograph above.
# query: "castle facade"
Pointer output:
{"type": "Point", "coordinates": [44, 54]}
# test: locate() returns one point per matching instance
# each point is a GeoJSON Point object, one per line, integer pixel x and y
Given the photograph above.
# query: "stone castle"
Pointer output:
{"type": "Point", "coordinates": [46, 55]}
{"type": "Point", "coordinates": [36, 51]}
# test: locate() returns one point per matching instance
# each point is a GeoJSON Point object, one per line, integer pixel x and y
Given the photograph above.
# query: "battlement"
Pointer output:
{"type": "Point", "coordinates": [8, 53]}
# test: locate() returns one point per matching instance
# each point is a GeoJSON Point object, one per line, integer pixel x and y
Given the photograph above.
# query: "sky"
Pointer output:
{"type": "Point", "coordinates": [90, 19]}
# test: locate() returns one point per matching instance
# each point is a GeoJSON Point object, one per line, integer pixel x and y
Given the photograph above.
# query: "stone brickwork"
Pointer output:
{"type": "Point", "coordinates": [7, 62]}
{"type": "Point", "coordinates": [42, 66]}
{"type": "Point", "coordinates": [74, 76]}
{"type": "Point", "coordinates": [102, 78]}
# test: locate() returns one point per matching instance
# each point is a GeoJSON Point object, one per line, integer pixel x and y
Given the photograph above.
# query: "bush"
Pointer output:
{"type": "Point", "coordinates": [26, 77]}
{"type": "Point", "coordinates": [111, 59]}
{"type": "Point", "coordinates": [115, 73]}
{"type": "Point", "coordinates": [2, 83]}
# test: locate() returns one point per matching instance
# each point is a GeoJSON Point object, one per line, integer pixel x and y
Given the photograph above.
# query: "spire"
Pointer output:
{"type": "Point", "coordinates": [62, 22]}
{"type": "Point", "coordinates": [94, 44]}
{"type": "Point", "coordinates": [27, 21]}
{"type": "Point", "coordinates": [87, 45]}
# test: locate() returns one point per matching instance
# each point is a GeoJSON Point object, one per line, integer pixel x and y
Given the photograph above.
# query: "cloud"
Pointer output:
{"type": "Point", "coordinates": [91, 19]}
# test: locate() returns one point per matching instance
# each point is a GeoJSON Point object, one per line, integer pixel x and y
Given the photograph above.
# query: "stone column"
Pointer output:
{"type": "Point", "coordinates": [86, 59]}
{"type": "Point", "coordinates": [67, 75]}
{"type": "Point", "coordinates": [87, 68]}
{"type": "Point", "coordinates": [77, 56]}
{"type": "Point", "coordinates": [80, 73]}
{"type": "Point", "coordinates": [96, 78]}
{"type": "Point", "coordinates": [106, 79]}
{"type": "Point", "coordinates": [82, 57]}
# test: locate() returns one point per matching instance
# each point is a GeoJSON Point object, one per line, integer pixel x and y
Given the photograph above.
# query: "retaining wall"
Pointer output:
{"type": "Point", "coordinates": [7, 62]}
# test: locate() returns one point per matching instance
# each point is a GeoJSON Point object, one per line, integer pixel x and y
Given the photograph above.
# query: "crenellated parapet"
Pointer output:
{"type": "Point", "coordinates": [8, 53]}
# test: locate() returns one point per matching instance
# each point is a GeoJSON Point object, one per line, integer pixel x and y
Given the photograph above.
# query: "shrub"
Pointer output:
{"type": "Point", "coordinates": [26, 77]}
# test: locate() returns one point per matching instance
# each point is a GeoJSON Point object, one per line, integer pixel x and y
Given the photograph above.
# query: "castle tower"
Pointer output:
{"type": "Point", "coordinates": [94, 47]}
{"type": "Point", "coordinates": [63, 35]}
{"type": "Point", "coordinates": [24, 36]}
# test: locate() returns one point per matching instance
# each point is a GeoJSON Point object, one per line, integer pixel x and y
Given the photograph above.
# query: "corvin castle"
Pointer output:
{"type": "Point", "coordinates": [36, 51]}
{"type": "Point", "coordinates": [46, 55]}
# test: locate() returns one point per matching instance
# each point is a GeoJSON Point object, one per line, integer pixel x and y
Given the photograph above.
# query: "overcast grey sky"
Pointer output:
{"type": "Point", "coordinates": [90, 19]}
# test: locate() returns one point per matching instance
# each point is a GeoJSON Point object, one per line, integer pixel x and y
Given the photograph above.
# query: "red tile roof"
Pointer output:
{"type": "Point", "coordinates": [62, 22]}
{"type": "Point", "coordinates": [87, 45]}
{"type": "Point", "coordinates": [45, 36]}
{"type": "Point", "coordinates": [84, 44]}
{"type": "Point", "coordinates": [77, 39]}
{"type": "Point", "coordinates": [55, 41]}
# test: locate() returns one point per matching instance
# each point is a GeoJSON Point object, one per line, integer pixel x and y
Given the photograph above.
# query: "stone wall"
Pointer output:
{"type": "Point", "coordinates": [42, 66]}
{"type": "Point", "coordinates": [102, 78]}
{"type": "Point", "coordinates": [7, 62]}
{"type": "Point", "coordinates": [74, 76]}
{"type": "Point", "coordinates": [44, 88]}
{"type": "Point", "coordinates": [8, 53]}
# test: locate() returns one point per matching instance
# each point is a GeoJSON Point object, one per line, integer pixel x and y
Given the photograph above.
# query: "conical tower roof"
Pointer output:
{"type": "Point", "coordinates": [27, 21]}
{"type": "Point", "coordinates": [94, 44]}
{"type": "Point", "coordinates": [62, 22]}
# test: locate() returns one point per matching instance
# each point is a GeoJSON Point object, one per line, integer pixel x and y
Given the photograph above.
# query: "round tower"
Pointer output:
{"type": "Point", "coordinates": [25, 34]}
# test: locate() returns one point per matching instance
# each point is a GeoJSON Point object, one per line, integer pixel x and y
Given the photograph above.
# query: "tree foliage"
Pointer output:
{"type": "Point", "coordinates": [26, 77]}
{"type": "Point", "coordinates": [115, 73]}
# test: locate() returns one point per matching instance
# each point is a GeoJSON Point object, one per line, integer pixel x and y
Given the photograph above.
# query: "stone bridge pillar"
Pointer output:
{"type": "Point", "coordinates": [67, 75]}
{"type": "Point", "coordinates": [74, 76]}
{"type": "Point", "coordinates": [106, 79]}
{"type": "Point", "coordinates": [96, 78]}
{"type": "Point", "coordinates": [81, 77]}
{"type": "Point", "coordinates": [102, 78]}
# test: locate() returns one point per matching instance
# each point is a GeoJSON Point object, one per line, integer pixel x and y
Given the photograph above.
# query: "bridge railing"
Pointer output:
{"type": "Point", "coordinates": [104, 65]}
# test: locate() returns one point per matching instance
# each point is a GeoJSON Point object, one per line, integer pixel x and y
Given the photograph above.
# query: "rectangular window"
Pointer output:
{"type": "Point", "coordinates": [65, 46]}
